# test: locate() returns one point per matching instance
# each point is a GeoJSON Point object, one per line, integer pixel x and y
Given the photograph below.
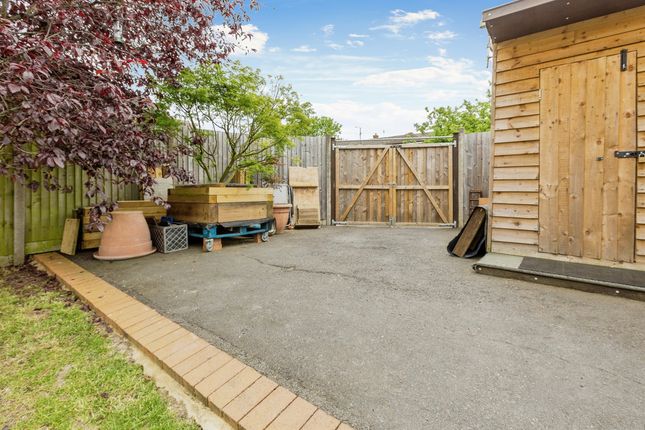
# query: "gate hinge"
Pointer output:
{"type": "Point", "coordinates": [623, 60]}
{"type": "Point", "coordinates": [629, 154]}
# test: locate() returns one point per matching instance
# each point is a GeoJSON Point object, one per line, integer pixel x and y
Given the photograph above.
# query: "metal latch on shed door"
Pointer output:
{"type": "Point", "coordinates": [629, 154]}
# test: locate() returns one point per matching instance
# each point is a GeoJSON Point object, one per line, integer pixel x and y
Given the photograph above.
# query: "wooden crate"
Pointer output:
{"type": "Point", "coordinates": [214, 203]}
{"type": "Point", "coordinates": [92, 239]}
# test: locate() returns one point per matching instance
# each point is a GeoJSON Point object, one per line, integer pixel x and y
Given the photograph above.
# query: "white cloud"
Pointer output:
{"type": "Point", "coordinates": [355, 43]}
{"type": "Point", "coordinates": [441, 36]}
{"type": "Point", "coordinates": [358, 36]}
{"type": "Point", "coordinates": [334, 46]}
{"type": "Point", "coordinates": [328, 30]}
{"type": "Point", "coordinates": [274, 49]}
{"type": "Point", "coordinates": [400, 19]}
{"type": "Point", "coordinates": [443, 52]}
{"type": "Point", "coordinates": [442, 73]}
{"type": "Point", "coordinates": [370, 117]}
{"type": "Point", "coordinates": [304, 49]}
{"type": "Point", "coordinates": [253, 41]}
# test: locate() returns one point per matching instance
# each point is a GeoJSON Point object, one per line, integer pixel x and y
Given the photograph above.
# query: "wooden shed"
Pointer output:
{"type": "Point", "coordinates": [568, 124]}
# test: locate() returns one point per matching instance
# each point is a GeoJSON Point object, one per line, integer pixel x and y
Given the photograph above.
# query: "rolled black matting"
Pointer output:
{"type": "Point", "coordinates": [585, 271]}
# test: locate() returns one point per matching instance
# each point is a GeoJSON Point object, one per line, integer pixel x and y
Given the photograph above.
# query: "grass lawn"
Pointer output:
{"type": "Point", "coordinates": [60, 369]}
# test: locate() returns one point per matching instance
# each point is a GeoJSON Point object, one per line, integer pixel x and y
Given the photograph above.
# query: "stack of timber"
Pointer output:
{"type": "Point", "coordinates": [91, 239]}
{"type": "Point", "coordinates": [219, 204]}
{"type": "Point", "coordinates": [306, 195]}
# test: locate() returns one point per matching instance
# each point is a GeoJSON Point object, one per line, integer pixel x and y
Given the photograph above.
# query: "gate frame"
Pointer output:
{"type": "Point", "coordinates": [392, 149]}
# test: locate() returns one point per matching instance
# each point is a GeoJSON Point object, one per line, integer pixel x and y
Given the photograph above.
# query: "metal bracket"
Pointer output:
{"type": "Point", "coordinates": [334, 222]}
{"type": "Point", "coordinates": [623, 60]}
{"type": "Point", "coordinates": [629, 154]}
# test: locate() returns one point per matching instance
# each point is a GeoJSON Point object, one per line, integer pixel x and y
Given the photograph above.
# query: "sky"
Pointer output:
{"type": "Point", "coordinates": [373, 66]}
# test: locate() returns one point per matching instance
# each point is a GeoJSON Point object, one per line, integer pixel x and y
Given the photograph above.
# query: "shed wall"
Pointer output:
{"type": "Point", "coordinates": [516, 119]}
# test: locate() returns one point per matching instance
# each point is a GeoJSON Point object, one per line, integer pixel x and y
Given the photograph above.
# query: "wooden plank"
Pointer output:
{"type": "Point", "coordinates": [626, 168]}
{"type": "Point", "coordinates": [594, 172]}
{"type": "Point", "coordinates": [609, 216]}
{"type": "Point", "coordinates": [515, 223]}
{"type": "Point", "coordinates": [517, 122]}
{"type": "Point", "coordinates": [70, 236]}
{"type": "Point", "coordinates": [470, 231]}
{"type": "Point", "coordinates": [517, 99]}
{"type": "Point", "coordinates": [515, 211]}
{"type": "Point", "coordinates": [563, 159]}
{"type": "Point", "coordinates": [517, 135]}
{"type": "Point", "coordinates": [551, 39]}
{"type": "Point", "coordinates": [516, 198]}
{"type": "Point", "coordinates": [577, 143]}
{"type": "Point", "coordinates": [517, 111]}
{"type": "Point", "coordinates": [515, 186]}
{"type": "Point", "coordinates": [517, 160]}
{"type": "Point", "coordinates": [514, 248]}
{"type": "Point", "coordinates": [592, 46]}
{"type": "Point", "coordinates": [532, 172]}
{"type": "Point", "coordinates": [515, 236]}
{"type": "Point", "coordinates": [517, 148]}
{"type": "Point", "coordinates": [518, 87]}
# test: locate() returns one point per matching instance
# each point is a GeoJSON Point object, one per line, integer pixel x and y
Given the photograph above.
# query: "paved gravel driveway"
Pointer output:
{"type": "Point", "coordinates": [383, 329]}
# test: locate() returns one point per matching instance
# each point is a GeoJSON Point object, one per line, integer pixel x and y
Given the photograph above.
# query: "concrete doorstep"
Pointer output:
{"type": "Point", "coordinates": [244, 398]}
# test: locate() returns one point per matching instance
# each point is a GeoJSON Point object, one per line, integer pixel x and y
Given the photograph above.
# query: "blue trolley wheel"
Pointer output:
{"type": "Point", "coordinates": [207, 245]}
{"type": "Point", "coordinates": [265, 236]}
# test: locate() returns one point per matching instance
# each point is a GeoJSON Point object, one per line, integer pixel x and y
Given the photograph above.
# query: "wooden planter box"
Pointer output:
{"type": "Point", "coordinates": [217, 204]}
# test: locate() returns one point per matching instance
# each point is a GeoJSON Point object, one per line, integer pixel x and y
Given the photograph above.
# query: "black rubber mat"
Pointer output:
{"type": "Point", "coordinates": [585, 271]}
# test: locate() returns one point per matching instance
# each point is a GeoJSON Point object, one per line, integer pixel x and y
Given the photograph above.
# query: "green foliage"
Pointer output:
{"type": "Point", "coordinates": [318, 125]}
{"type": "Point", "coordinates": [60, 371]}
{"type": "Point", "coordinates": [444, 121]}
{"type": "Point", "coordinates": [257, 114]}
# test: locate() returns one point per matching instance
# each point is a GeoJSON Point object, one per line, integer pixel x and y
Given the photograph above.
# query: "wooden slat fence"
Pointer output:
{"type": "Point", "coordinates": [473, 170]}
{"type": "Point", "coordinates": [310, 151]}
{"type": "Point", "coordinates": [45, 211]}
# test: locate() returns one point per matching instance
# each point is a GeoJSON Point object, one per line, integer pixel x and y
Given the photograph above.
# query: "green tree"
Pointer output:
{"type": "Point", "coordinates": [257, 114]}
{"type": "Point", "coordinates": [444, 121]}
{"type": "Point", "coordinates": [318, 125]}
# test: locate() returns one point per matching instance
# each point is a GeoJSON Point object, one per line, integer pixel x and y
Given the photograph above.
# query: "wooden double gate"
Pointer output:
{"type": "Point", "coordinates": [407, 184]}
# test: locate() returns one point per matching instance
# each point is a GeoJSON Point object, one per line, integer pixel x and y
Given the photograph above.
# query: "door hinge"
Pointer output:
{"type": "Point", "coordinates": [623, 60]}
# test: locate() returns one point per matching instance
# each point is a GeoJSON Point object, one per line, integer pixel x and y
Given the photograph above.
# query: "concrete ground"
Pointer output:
{"type": "Point", "coordinates": [380, 327]}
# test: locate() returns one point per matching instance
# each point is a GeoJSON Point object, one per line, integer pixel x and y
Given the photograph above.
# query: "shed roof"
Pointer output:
{"type": "Point", "coordinates": [522, 17]}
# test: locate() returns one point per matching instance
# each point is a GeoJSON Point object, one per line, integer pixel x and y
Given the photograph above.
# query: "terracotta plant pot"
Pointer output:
{"type": "Point", "coordinates": [281, 215]}
{"type": "Point", "coordinates": [127, 236]}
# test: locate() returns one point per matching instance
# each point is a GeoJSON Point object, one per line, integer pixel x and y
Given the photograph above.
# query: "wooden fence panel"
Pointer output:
{"type": "Point", "coordinates": [474, 169]}
{"type": "Point", "coordinates": [6, 219]}
{"type": "Point", "coordinates": [45, 211]}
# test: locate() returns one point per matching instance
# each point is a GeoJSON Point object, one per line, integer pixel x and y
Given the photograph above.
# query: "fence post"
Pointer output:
{"type": "Point", "coordinates": [329, 144]}
{"type": "Point", "coordinates": [19, 211]}
{"type": "Point", "coordinates": [458, 174]}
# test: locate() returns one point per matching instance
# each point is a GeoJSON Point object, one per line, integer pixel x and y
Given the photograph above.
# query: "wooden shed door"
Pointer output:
{"type": "Point", "coordinates": [587, 195]}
